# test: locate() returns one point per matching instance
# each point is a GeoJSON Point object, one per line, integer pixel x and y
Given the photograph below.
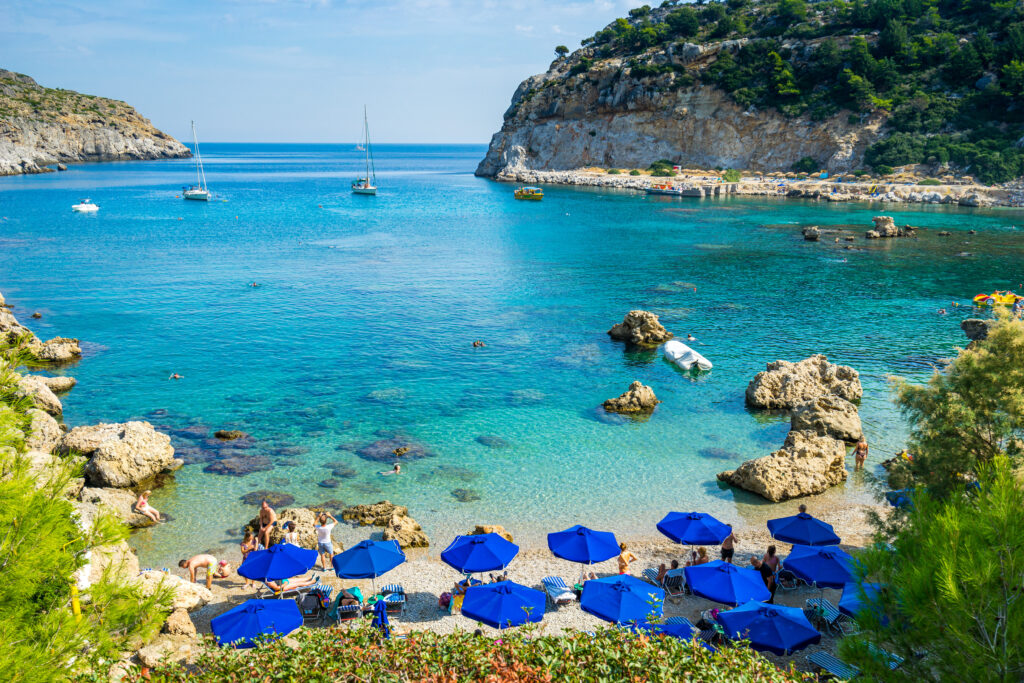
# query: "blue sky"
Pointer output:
{"type": "Point", "coordinates": [300, 70]}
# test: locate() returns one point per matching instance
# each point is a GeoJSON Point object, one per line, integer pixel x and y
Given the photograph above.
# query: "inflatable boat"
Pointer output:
{"type": "Point", "coordinates": [682, 355]}
{"type": "Point", "coordinates": [997, 298]}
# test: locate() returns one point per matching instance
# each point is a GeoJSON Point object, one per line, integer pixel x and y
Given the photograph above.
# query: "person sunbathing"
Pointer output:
{"type": "Point", "coordinates": [663, 570]}
{"type": "Point", "coordinates": [290, 584]}
{"type": "Point", "coordinates": [700, 558]}
{"type": "Point", "coordinates": [142, 506]}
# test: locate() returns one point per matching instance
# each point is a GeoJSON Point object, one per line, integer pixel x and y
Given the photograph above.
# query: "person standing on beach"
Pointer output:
{"type": "Point", "coordinates": [268, 520]}
{"type": "Point", "coordinates": [625, 557]}
{"type": "Point", "coordinates": [728, 545]}
{"type": "Point", "coordinates": [324, 544]}
{"type": "Point", "coordinates": [802, 509]}
{"type": "Point", "coordinates": [247, 546]}
{"type": "Point", "coordinates": [860, 454]}
{"type": "Point", "coordinates": [767, 575]}
{"type": "Point", "coordinates": [207, 562]}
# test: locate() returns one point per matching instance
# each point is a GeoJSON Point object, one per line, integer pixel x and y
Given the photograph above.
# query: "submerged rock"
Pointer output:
{"type": "Point", "coordinates": [638, 398]}
{"type": "Point", "coordinates": [334, 506]}
{"type": "Point", "coordinates": [640, 328]}
{"type": "Point", "coordinates": [977, 329]}
{"type": "Point", "coordinates": [716, 453]}
{"type": "Point", "coordinates": [229, 434]}
{"type": "Point", "coordinates": [807, 463]}
{"type": "Point", "coordinates": [344, 472]}
{"type": "Point", "coordinates": [812, 233]}
{"type": "Point", "coordinates": [274, 499]}
{"type": "Point", "coordinates": [240, 466]}
{"type": "Point", "coordinates": [828, 416]}
{"type": "Point", "coordinates": [121, 455]}
{"type": "Point", "coordinates": [521, 397]}
{"type": "Point", "coordinates": [394, 449]}
{"type": "Point", "coordinates": [328, 484]}
{"type": "Point", "coordinates": [784, 384]}
{"type": "Point", "coordinates": [492, 441]}
{"type": "Point", "coordinates": [465, 495]}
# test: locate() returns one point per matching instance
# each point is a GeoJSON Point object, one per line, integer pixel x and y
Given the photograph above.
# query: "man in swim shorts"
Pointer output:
{"type": "Point", "coordinates": [198, 562]}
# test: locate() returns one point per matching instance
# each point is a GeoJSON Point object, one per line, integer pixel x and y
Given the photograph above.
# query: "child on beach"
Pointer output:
{"type": "Point", "coordinates": [290, 535]}
{"type": "Point", "coordinates": [247, 546]}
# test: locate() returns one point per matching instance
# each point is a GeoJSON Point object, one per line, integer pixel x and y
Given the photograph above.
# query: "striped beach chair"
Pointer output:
{"type": "Point", "coordinates": [834, 667]}
{"type": "Point", "coordinates": [394, 597]}
{"type": "Point", "coordinates": [558, 591]}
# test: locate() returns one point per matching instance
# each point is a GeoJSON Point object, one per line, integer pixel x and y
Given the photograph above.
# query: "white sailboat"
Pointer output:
{"type": "Point", "coordinates": [199, 191]}
{"type": "Point", "coordinates": [367, 184]}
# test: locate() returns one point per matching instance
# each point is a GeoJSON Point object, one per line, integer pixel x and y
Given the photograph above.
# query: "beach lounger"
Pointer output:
{"type": "Point", "coordinates": [826, 615]}
{"type": "Point", "coordinates": [349, 612]}
{"type": "Point", "coordinates": [674, 583]}
{"type": "Point", "coordinates": [314, 605]}
{"type": "Point", "coordinates": [394, 596]}
{"type": "Point", "coordinates": [557, 591]}
{"type": "Point", "coordinates": [787, 580]}
{"type": "Point", "coordinates": [834, 667]}
{"type": "Point", "coordinates": [651, 574]}
{"type": "Point", "coordinates": [265, 592]}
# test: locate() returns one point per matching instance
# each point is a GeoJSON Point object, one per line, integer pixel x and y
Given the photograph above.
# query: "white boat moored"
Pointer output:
{"type": "Point", "coordinates": [683, 356]}
{"type": "Point", "coordinates": [86, 206]}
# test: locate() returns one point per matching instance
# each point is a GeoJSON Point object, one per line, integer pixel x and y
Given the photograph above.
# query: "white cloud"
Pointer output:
{"type": "Point", "coordinates": [524, 29]}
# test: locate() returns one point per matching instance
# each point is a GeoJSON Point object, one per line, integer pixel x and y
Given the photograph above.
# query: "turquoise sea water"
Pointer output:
{"type": "Point", "coordinates": [363, 323]}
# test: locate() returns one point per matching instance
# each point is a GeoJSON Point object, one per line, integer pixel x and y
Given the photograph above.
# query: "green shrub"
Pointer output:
{"type": "Point", "coordinates": [664, 173]}
{"type": "Point", "coordinates": [634, 172]}
{"type": "Point", "coordinates": [884, 170]}
{"type": "Point", "coordinates": [581, 66]}
{"type": "Point", "coordinates": [731, 176]}
{"type": "Point", "coordinates": [613, 171]}
{"type": "Point", "coordinates": [524, 654]}
{"type": "Point", "coordinates": [929, 181]}
{"type": "Point", "coordinates": [806, 165]}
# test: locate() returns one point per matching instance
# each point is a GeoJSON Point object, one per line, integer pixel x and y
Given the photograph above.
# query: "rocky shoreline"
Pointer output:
{"type": "Point", "coordinates": [707, 184]}
{"type": "Point", "coordinates": [43, 129]}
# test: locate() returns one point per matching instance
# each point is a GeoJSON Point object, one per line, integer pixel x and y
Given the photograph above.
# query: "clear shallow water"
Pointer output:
{"type": "Point", "coordinates": [363, 324]}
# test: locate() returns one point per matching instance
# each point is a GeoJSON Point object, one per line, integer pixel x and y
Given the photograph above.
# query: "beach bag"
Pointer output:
{"type": "Point", "coordinates": [444, 601]}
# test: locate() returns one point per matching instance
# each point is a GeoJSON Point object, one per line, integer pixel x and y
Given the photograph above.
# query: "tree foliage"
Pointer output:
{"type": "Point", "coordinates": [966, 416]}
{"type": "Point", "coordinates": [950, 604]}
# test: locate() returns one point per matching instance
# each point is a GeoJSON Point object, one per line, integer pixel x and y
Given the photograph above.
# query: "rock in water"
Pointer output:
{"type": "Point", "coordinates": [405, 530]}
{"type": "Point", "coordinates": [58, 385]}
{"type": "Point", "coordinates": [977, 329]}
{"type": "Point", "coordinates": [492, 441]}
{"type": "Point", "coordinates": [640, 328]}
{"type": "Point", "coordinates": [812, 233]}
{"type": "Point", "coordinates": [119, 501]}
{"type": "Point", "coordinates": [807, 463]}
{"type": "Point", "coordinates": [828, 416]}
{"type": "Point", "coordinates": [34, 388]}
{"type": "Point", "coordinates": [885, 226]}
{"type": "Point", "coordinates": [121, 455]}
{"type": "Point", "coordinates": [60, 350]}
{"type": "Point", "coordinates": [229, 434]}
{"type": "Point", "coordinates": [394, 449]}
{"type": "Point", "coordinates": [784, 385]}
{"type": "Point", "coordinates": [639, 398]}
{"type": "Point", "coordinates": [274, 499]}
{"type": "Point", "coordinates": [377, 513]}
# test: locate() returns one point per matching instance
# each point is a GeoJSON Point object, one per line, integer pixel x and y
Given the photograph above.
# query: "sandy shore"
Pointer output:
{"type": "Point", "coordinates": [425, 577]}
{"type": "Point", "coordinates": [708, 184]}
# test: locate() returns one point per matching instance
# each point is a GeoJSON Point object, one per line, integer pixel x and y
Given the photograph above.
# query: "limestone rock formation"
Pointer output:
{"type": "Point", "coordinates": [58, 385]}
{"type": "Point", "coordinates": [784, 384]}
{"type": "Point", "coordinates": [829, 416]}
{"type": "Point", "coordinates": [481, 529]}
{"type": "Point", "coordinates": [168, 649]}
{"type": "Point", "coordinates": [405, 530]}
{"type": "Point", "coordinates": [121, 454]}
{"type": "Point", "coordinates": [639, 398]}
{"type": "Point", "coordinates": [185, 594]}
{"type": "Point", "coordinates": [977, 329]}
{"type": "Point", "coordinates": [45, 432]}
{"type": "Point", "coordinates": [34, 388]}
{"type": "Point", "coordinates": [42, 126]}
{"type": "Point", "coordinates": [812, 233]}
{"type": "Point", "coordinates": [807, 463]}
{"type": "Point", "coordinates": [377, 514]}
{"type": "Point", "coordinates": [229, 434]}
{"type": "Point", "coordinates": [179, 623]}
{"type": "Point", "coordinates": [117, 558]}
{"type": "Point", "coordinates": [640, 328]}
{"type": "Point", "coordinates": [885, 226]}
{"type": "Point", "coordinates": [119, 501]}
{"type": "Point", "coordinates": [59, 350]}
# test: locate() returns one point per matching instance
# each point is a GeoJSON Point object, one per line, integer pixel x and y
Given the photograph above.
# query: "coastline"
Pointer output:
{"type": "Point", "coordinates": [707, 184]}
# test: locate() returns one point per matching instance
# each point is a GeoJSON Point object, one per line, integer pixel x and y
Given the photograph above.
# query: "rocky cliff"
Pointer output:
{"type": "Point", "coordinates": [45, 126]}
{"type": "Point", "coordinates": [616, 113]}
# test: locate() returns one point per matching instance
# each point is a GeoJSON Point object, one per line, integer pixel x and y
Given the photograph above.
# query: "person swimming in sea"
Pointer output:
{"type": "Point", "coordinates": [397, 469]}
{"type": "Point", "coordinates": [478, 344]}
{"type": "Point", "coordinates": [175, 375]}
{"type": "Point", "coordinates": [690, 337]}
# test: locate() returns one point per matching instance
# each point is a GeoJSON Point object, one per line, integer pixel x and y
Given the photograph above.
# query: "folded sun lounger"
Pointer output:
{"type": "Point", "coordinates": [557, 591]}
{"type": "Point", "coordinates": [834, 667]}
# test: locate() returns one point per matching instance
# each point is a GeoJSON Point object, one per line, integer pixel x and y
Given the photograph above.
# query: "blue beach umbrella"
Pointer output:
{"type": "Point", "coordinates": [851, 602]}
{"type": "Point", "coordinates": [622, 599]}
{"type": "Point", "coordinates": [503, 604]}
{"type": "Point", "coordinates": [682, 631]}
{"type": "Point", "coordinates": [802, 529]}
{"type": "Point", "coordinates": [242, 625]}
{"type": "Point", "coordinates": [773, 628]}
{"type": "Point", "coordinates": [900, 498]}
{"type": "Point", "coordinates": [479, 553]}
{"type": "Point", "coordinates": [726, 583]}
{"type": "Point", "coordinates": [693, 528]}
{"type": "Point", "coordinates": [368, 560]}
{"type": "Point", "coordinates": [826, 567]}
{"type": "Point", "coordinates": [281, 561]}
{"type": "Point", "coordinates": [580, 544]}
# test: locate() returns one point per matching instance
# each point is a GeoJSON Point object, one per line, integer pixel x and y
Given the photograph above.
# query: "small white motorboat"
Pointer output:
{"type": "Point", "coordinates": [86, 206]}
{"type": "Point", "coordinates": [682, 355]}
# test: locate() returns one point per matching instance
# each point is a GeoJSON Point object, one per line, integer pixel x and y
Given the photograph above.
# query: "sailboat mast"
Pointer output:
{"type": "Point", "coordinates": [366, 136]}
{"type": "Point", "coordinates": [200, 173]}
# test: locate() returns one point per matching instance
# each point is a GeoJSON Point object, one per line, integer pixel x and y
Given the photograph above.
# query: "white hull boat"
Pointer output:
{"type": "Point", "coordinates": [198, 192]}
{"type": "Point", "coordinates": [86, 206]}
{"type": "Point", "coordinates": [683, 356]}
{"type": "Point", "coordinates": [367, 185]}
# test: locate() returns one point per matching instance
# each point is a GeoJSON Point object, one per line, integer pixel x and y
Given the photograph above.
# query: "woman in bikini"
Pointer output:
{"type": "Point", "coordinates": [247, 546]}
{"type": "Point", "coordinates": [860, 454]}
{"type": "Point", "coordinates": [143, 506]}
{"type": "Point", "coordinates": [625, 557]}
